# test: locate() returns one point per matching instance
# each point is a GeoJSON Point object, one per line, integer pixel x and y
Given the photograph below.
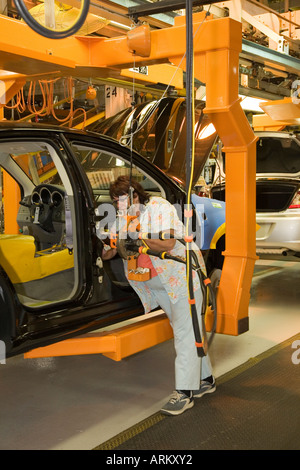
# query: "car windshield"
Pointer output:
{"type": "Point", "coordinates": [278, 155]}
{"type": "Point", "coordinates": [102, 168]}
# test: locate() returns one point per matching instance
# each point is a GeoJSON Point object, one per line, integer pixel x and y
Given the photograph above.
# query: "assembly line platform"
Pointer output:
{"type": "Point", "coordinates": [91, 402]}
{"type": "Point", "coordinates": [255, 407]}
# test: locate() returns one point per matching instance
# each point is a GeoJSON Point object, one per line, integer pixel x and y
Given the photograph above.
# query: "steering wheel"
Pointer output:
{"type": "Point", "coordinates": [47, 206]}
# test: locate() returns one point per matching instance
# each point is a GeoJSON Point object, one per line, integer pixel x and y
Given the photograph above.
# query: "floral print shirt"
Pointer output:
{"type": "Point", "coordinates": [159, 215]}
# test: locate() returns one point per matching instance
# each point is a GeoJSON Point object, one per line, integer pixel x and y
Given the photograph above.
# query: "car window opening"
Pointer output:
{"type": "Point", "coordinates": [34, 235]}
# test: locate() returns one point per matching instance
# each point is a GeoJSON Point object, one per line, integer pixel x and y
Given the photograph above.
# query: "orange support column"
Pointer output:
{"type": "Point", "coordinates": [223, 106]}
{"type": "Point", "coordinates": [9, 88]}
{"type": "Point", "coordinates": [12, 197]}
{"type": "Point", "coordinates": [115, 344]}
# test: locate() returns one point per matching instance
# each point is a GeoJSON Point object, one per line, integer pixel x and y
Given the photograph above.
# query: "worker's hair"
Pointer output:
{"type": "Point", "coordinates": [121, 185]}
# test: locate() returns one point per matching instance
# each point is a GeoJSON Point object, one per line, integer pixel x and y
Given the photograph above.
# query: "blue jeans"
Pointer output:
{"type": "Point", "coordinates": [189, 368]}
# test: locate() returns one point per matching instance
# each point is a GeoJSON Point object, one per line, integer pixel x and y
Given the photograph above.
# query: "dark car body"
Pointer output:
{"type": "Point", "coordinates": [55, 184]}
{"type": "Point", "coordinates": [159, 134]}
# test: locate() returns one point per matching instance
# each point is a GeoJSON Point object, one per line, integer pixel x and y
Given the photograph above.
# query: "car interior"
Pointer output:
{"type": "Point", "coordinates": [38, 246]}
{"type": "Point", "coordinates": [102, 168]}
{"type": "Point", "coordinates": [36, 238]}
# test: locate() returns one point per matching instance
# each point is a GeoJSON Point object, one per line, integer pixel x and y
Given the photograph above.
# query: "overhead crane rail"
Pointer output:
{"type": "Point", "coordinates": [164, 6]}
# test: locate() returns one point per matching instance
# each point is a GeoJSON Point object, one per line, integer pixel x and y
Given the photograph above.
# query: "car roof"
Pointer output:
{"type": "Point", "coordinates": [17, 125]}
{"type": "Point", "coordinates": [6, 125]}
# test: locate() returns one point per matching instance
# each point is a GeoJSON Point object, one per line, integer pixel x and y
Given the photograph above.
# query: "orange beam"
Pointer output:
{"type": "Point", "coordinates": [8, 89]}
{"type": "Point", "coordinates": [24, 51]}
{"type": "Point", "coordinates": [283, 110]}
{"type": "Point", "coordinates": [12, 197]}
{"type": "Point", "coordinates": [115, 344]}
{"type": "Point", "coordinates": [279, 114]}
{"type": "Point", "coordinates": [263, 122]}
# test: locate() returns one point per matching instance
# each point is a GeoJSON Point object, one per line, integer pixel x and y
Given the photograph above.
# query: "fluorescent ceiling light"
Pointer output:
{"type": "Point", "coordinates": [251, 104]}
{"type": "Point", "coordinates": [248, 103]}
{"type": "Point", "coordinates": [119, 25]}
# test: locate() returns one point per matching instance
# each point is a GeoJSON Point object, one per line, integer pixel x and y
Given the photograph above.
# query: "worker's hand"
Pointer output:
{"type": "Point", "coordinates": [161, 245]}
{"type": "Point", "coordinates": [108, 252]}
{"type": "Point", "coordinates": [128, 247]}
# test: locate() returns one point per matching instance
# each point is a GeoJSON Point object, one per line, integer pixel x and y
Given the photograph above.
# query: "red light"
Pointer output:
{"type": "Point", "coordinates": [295, 202]}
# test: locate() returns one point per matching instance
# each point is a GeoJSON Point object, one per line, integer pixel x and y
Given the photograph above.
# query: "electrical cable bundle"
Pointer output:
{"type": "Point", "coordinates": [190, 150]}
{"type": "Point", "coordinates": [48, 105]}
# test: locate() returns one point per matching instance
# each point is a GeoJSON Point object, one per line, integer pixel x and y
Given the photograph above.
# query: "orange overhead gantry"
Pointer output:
{"type": "Point", "coordinates": [279, 114]}
{"type": "Point", "coordinates": [217, 44]}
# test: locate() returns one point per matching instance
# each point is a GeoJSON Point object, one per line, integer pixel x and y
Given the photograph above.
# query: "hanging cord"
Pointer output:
{"type": "Point", "coordinates": [48, 105]}
{"type": "Point", "coordinates": [20, 104]}
{"type": "Point", "coordinates": [190, 124]}
{"type": "Point", "coordinates": [131, 135]}
{"type": "Point", "coordinates": [31, 100]}
{"type": "Point", "coordinates": [200, 341]}
{"type": "Point", "coordinates": [73, 116]}
{"type": "Point", "coordinates": [68, 94]}
{"type": "Point", "coordinates": [125, 140]}
{"type": "Point", "coordinates": [201, 347]}
{"type": "Point", "coordinates": [17, 102]}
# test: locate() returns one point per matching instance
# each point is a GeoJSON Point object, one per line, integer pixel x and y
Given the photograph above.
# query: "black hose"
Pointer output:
{"type": "Point", "coordinates": [200, 344]}
{"type": "Point", "coordinates": [47, 32]}
{"type": "Point", "coordinates": [202, 279]}
{"type": "Point", "coordinates": [205, 285]}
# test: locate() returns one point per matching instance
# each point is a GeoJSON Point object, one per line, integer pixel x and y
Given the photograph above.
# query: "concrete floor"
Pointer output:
{"type": "Point", "coordinates": [76, 403]}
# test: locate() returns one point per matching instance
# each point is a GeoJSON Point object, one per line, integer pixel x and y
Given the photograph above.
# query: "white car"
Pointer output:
{"type": "Point", "coordinates": [277, 193]}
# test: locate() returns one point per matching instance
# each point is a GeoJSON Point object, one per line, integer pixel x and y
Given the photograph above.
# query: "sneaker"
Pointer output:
{"type": "Point", "coordinates": [178, 403]}
{"type": "Point", "coordinates": [205, 387]}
